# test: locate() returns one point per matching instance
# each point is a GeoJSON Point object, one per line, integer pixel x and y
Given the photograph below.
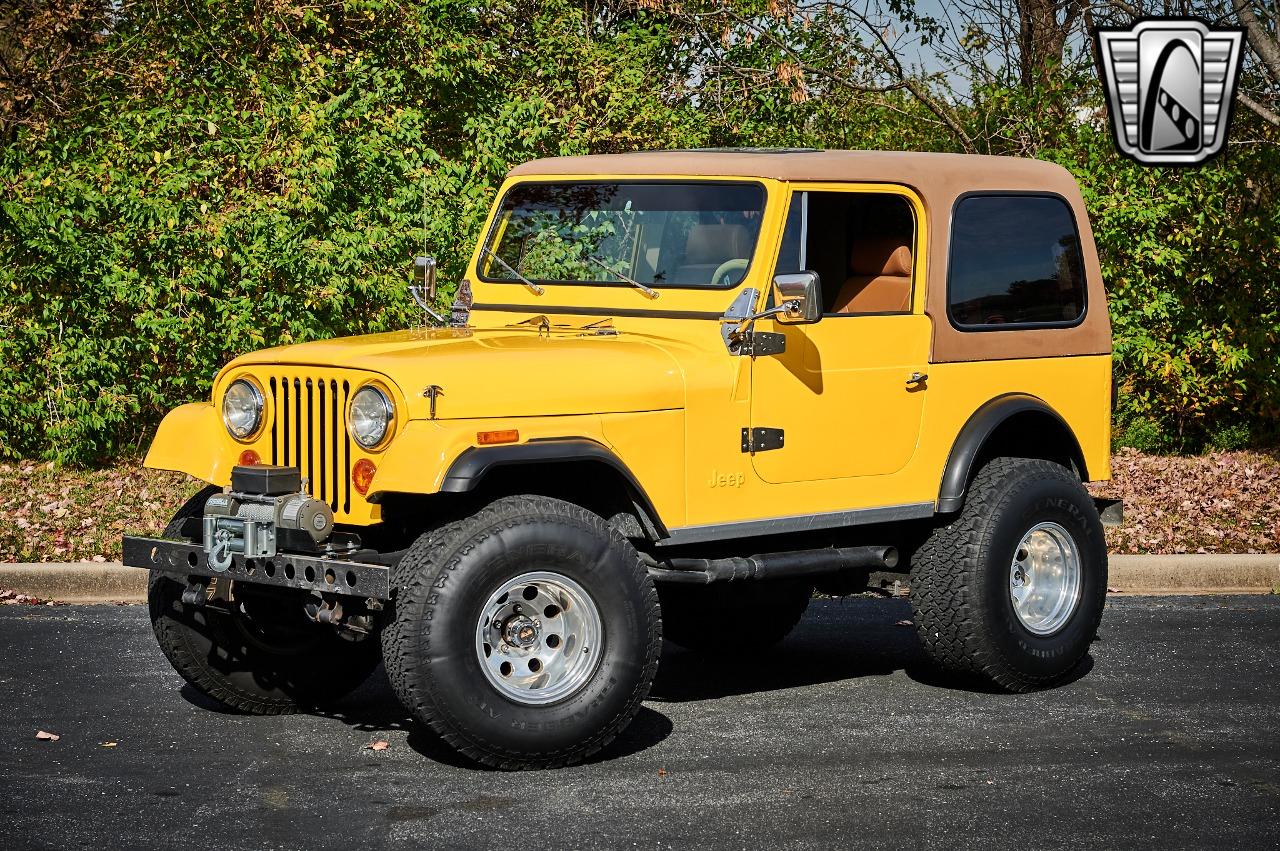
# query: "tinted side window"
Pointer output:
{"type": "Point", "coordinates": [1015, 260]}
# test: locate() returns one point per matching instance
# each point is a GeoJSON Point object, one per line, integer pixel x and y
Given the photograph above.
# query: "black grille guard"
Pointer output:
{"type": "Point", "coordinates": [284, 570]}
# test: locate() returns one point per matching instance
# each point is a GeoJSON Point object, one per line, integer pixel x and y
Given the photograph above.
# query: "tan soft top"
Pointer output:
{"type": "Point", "coordinates": [920, 170]}
{"type": "Point", "coordinates": [939, 179]}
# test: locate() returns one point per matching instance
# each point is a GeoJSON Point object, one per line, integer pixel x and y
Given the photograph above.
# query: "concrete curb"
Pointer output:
{"type": "Point", "coordinates": [1195, 574]}
{"type": "Point", "coordinates": [78, 582]}
{"type": "Point", "coordinates": [93, 582]}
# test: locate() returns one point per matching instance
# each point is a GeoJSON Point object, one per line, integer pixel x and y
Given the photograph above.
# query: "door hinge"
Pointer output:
{"type": "Point", "coordinates": [754, 344]}
{"type": "Point", "coordinates": [761, 439]}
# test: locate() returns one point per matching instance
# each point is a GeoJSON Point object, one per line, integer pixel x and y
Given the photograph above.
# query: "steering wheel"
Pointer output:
{"type": "Point", "coordinates": [736, 265]}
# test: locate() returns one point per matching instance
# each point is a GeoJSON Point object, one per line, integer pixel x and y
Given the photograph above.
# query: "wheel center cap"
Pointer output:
{"type": "Point", "coordinates": [520, 631]}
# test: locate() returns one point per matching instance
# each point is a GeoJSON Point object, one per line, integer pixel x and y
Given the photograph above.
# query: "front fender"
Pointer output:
{"type": "Point", "coordinates": [192, 440]}
{"type": "Point", "coordinates": [419, 457]}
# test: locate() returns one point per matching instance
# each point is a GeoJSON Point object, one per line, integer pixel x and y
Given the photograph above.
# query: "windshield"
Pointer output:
{"type": "Point", "coordinates": [654, 234]}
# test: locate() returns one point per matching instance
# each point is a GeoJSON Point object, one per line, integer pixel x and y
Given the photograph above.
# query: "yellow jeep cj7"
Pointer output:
{"type": "Point", "coordinates": [680, 391]}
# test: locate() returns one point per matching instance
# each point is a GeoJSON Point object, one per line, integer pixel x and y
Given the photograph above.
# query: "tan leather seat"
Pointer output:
{"type": "Point", "coordinates": [879, 277]}
{"type": "Point", "coordinates": [708, 246]}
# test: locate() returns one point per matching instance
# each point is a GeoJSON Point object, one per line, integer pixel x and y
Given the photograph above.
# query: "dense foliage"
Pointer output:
{"type": "Point", "coordinates": [183, 182]}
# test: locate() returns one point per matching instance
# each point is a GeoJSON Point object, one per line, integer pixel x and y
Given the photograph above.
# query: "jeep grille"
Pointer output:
{"type": "Point", "coordinates": [310, 432]}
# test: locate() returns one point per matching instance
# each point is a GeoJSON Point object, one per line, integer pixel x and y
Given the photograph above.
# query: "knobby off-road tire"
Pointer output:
{"type": "Point", "coordinates": [264, 656]}
{"type": "Point", "coordinates": [453, 576]}
{"type": "Point", "coordinates": [752, 615]}
{"type": "Point", "coordinates": [961, 577]}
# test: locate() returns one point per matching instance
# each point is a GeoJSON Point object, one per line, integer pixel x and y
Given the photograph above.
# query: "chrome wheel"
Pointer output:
{"type": "Point", "coordinates": [1044, 579]}
{"type": "Point", "coordinates": [538, 638]}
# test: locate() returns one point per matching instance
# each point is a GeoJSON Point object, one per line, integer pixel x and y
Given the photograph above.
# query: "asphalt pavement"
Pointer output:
{"type": "Point", "coordinates": [1168, 738]}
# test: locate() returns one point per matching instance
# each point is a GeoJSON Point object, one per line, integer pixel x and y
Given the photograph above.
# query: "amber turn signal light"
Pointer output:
{"type": "Point", "coordinates": [362, 475]}
{"type": "Point", "coordinates": [489, 438]}
{"type": "Point", "coordinates": [249, 458]}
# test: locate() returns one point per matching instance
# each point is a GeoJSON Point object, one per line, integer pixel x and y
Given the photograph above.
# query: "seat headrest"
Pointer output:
{"type": "Point", "coordinates": [880, 255]}
{"type": "Point", "coordinates": [716, 243]}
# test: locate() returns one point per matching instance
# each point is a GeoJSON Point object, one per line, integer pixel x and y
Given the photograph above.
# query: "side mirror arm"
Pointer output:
{"type": "Point", "coordinates": [741, 323]}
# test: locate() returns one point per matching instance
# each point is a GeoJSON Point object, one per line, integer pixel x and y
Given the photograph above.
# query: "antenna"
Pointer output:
{"type": "Point", "coordinates": [423, 291]}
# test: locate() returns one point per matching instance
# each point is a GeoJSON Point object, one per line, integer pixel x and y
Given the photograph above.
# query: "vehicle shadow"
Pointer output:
{"type": "Point", "coordinates": [838, 639]}
{"type": "Point", "coordinates": [373, 708]}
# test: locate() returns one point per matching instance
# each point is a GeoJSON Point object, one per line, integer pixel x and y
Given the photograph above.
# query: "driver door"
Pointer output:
{"type": "Point", "coordinates": [848, 392]}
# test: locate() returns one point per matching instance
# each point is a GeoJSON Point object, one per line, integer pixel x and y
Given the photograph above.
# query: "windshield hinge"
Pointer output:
{"type": "Point", "coordinates": [757, 343]}
{"type": "Point", "coordinates": [761, 439]}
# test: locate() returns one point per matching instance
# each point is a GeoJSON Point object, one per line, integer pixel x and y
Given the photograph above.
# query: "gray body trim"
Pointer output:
{"type": "Point", "coordinates": [801, 523]}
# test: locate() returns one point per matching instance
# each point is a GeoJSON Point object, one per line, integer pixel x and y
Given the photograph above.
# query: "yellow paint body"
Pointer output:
{"type": "Point", "coordinates": [662, 393]}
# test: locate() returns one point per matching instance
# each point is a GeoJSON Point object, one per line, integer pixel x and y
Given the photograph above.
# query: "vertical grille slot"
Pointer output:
{"type": "Point", "coordinates": [297, 425]}
{"type": "Point", "coordinates": [346, 500]}
{"type": "Point", "coordinates": [335, 424]}
{"type": "Point", "coordinates": [284, 408]}
{"type": "Point", "coordinates": [274, 426]}
{"type": "Point", "coordinates": [310, 472]}
{"type": "Point", "coordinates": [320, 420]}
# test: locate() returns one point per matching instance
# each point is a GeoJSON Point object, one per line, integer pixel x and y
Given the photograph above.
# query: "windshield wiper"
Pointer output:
{"type": "Point", "coordinates": [648, 291]}
{"type": "Point", "coordinates": [534, 288]}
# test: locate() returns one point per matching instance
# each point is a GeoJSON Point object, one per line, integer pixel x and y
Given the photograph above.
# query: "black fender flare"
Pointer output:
{"type": "Point", "coordinates": [974, 435]}
{"type": "Point", "coordinates": [472, 465]}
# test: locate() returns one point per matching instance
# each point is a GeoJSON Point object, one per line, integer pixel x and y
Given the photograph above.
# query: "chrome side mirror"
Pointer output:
{"type": "Point", "coordinates": [800, 293]}
{"type": "Point", "coordinates": [424, 273]}
{"type": "Point", "coordinates": [423, 290]}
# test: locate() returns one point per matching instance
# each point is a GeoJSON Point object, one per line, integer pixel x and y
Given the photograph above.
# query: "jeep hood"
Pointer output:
{"type": "Point", "coordinates": [501, 372]}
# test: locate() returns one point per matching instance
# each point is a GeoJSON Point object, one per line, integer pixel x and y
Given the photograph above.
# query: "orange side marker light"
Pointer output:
{"type": "Point", "coordinates": [490, 438]}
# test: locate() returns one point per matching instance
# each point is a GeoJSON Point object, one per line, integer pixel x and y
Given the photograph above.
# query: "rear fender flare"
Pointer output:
{"type": "Point", "coordinates": [973, 437]}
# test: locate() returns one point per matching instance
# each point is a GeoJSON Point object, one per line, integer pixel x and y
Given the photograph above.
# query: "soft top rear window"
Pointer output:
{"type": "Point", "coordinates": [1015, 263]}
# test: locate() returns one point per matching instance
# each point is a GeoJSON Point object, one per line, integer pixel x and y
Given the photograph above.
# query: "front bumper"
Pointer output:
{"type": "Point", "coordinates": [284, 570]}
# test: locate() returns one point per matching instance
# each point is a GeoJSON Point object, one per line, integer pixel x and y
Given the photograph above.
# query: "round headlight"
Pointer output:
{"type": "Point", "coordinates": [242, 409]}
{"type": "Point", "coordinates": [371, 416]}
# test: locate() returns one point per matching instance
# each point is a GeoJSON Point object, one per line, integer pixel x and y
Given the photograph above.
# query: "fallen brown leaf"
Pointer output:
{"type": "Point", "coordinates": [47, 737]}
{"type": "Point", "coordinates": [377, 746]}
{"type": "Point", "coordinates": [109, 744]}
{"type": "Point", "coordinates": [662, 772]}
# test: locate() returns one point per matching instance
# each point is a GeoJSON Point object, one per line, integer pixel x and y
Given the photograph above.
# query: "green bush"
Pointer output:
{"type": "Point", "coordinates": [1143, 434]}
{"type": "Point", "coordinates": [242, 175]}
{"type": "Point", "coordinates": [225, 176]}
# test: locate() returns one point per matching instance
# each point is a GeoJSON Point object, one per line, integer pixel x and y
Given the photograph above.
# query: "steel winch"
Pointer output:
{"type": "Point", "coordinates": [265, 506]}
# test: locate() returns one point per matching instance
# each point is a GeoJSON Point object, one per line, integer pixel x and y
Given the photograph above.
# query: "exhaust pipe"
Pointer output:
{"type": "Point", "coordinates": [801, 564]}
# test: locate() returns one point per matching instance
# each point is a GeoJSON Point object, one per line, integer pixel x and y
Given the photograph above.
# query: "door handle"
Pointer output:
{"type": "Point", "coordinates": [917, 378]}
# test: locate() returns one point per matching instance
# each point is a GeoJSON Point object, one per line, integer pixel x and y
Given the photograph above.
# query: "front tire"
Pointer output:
{"type": "Point", "coordinates": [254, 650]}
{"type": "Point", "coordinates": [1012, 589]}
{"type": "Point", "coordinates": [525, 636]}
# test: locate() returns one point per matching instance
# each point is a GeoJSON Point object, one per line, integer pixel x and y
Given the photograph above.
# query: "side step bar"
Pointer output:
{"type": "Point", "coordinates": [802, 564]}
{"type": "Point", "coordinates": [285, 570]}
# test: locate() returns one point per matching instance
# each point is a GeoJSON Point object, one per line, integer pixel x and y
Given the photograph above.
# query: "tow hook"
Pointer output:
{"type": "Point", "coordinates": [352, 627]}
{"type": "Point", "coordinates": [195, 594]}
{"type": "Point", "coordinates": [326, 612]}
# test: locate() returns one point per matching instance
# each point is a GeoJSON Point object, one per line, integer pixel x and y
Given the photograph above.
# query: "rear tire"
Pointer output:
{"type": "Point", "coordinates": [1012, 589]}
{"type": "Point", "coordinates": [751, 615]}
{"type": "Point", "coordinates": [524, 569]}
{"type": "Point", "coordinates": [256, 651]}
